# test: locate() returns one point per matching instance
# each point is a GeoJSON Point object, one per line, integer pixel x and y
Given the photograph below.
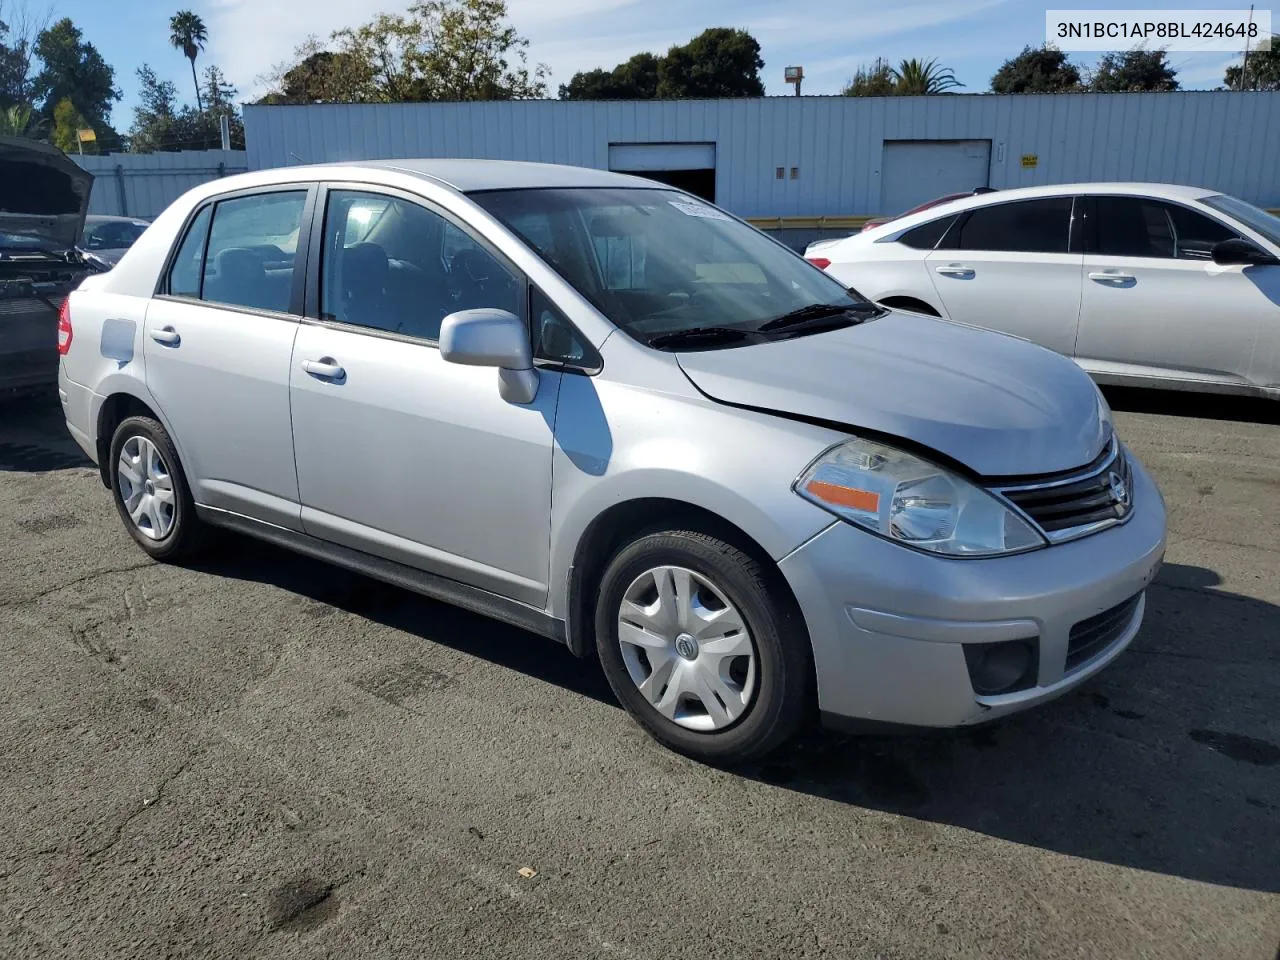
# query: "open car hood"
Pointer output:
{"type": "Point", "coordinates": [997, 404]}
{"type": "Point", "coordinates": [43, 194]}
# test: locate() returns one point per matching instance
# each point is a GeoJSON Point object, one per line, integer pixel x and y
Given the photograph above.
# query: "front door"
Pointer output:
{"type": "Point", "coordinates": [1008, 267]}
{"type": "Point", "coordinates": [399, 453]}
{"type": "Point", "coordinates": [217, 348]}
{"type": "Point", "coordinates": [1154, 302]}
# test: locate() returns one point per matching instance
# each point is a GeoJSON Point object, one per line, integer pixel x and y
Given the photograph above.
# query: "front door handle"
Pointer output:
{"type": "Point", "coordinates": [1111, 276]}
{"type": "Point", "coordinates": [324, 369]}
{"type": "Point", "coordinates": [166, 335]}
{"type": "Point", "coordinates": [957, 270]}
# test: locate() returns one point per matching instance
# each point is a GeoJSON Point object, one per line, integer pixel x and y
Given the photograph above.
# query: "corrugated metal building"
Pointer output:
{"type": "Point", "coordinates": [803, 158]}
{"type": "Point", "coordinates": [142, 185]}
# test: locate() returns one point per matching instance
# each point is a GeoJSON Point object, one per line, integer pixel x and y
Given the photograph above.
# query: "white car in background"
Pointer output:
{"type": "Point", "coordinates": [1141, 284]}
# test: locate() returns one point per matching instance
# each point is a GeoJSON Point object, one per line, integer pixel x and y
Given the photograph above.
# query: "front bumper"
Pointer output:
{"type": "Point", "coordinates": [888, 624]}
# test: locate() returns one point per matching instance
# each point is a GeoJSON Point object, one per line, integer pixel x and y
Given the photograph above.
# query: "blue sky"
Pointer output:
{"type": "Point", "coordinates": [830, 38]}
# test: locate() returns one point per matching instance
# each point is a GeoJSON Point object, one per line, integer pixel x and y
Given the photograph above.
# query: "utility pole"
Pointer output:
{"type": "Point", "coordinates": [1244, 67]}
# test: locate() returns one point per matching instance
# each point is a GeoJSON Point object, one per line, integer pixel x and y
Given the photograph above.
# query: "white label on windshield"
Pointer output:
{"type": "Point", "coordinates": [698, 210]}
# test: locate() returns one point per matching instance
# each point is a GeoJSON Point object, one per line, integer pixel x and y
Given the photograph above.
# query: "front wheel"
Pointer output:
{"type": "Point", "coordinates": [702, 647]}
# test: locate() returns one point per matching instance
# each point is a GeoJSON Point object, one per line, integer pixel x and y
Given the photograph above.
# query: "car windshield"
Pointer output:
{"type": "Point", "coordinates": [668, 268]}
{"type": "Point", "coordinates": [1252, 217]}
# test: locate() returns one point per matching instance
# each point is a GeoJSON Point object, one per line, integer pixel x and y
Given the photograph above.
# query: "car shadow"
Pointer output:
{"type": "Point", "coordinates": [1088, 775]}
{"type": "Point", "coordinates": [1178, 403]}
{"type": "Point", "coordinates": [33, 435]}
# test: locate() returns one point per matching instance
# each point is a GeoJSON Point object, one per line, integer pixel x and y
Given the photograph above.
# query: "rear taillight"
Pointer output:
{"type": "Point", "coordinates": [820, 262]}
{"type": "Point", "coordinates": [64, 327]}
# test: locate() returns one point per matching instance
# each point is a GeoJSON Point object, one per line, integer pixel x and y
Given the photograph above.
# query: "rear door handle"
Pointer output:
{"type": "Point", "coordinates": [956, 270]}
{"type": "Point", "coordinates": [1110, 276]}
{"type": "Point", "coordinates": [166, 335]}
{"type": "Point", "coordinates": [324, 369]}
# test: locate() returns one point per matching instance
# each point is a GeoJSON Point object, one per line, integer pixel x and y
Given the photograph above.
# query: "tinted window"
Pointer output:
{"type": "Point", "coordinates": [1028, 226]}
{"type": "Point", "coordinates": [392, 265]}
{"type": "Point", "coordinates": [112, 234]}
{"type": "Point", "coordinates": [927, 235]}
{"type": "Point", "coordinates": [251, 250]}
{"type": "Point", "coordinates": [554, 337]}
{"type": "Point", "coordinates": [1133, 227]}
{"type": "Point", "coordinates": [1194, 234]}
{"type": "Point", "coordinates": [184, 275]}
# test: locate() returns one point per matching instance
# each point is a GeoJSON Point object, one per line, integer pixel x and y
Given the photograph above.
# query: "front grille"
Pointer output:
{"type": "Point", "coordinates": [1092, 636]}
{"type": "Point", "coordinates": [1087, 500]}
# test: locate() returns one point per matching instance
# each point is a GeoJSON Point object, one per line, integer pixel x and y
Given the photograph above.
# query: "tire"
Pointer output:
{"type": "Point", "coordinates": [168, 529]}
{"type": "Point", "coordinates": [758, 703]}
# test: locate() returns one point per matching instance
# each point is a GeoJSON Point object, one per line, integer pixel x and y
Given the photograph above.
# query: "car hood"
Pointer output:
{"type": "Point", "coordinates": [43, 193]}
{"type": "Point", "coordinates": [999, 405]}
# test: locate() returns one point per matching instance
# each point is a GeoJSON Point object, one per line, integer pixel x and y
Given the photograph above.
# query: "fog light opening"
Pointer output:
{"type": "Point", "coordinates": [996, 668]}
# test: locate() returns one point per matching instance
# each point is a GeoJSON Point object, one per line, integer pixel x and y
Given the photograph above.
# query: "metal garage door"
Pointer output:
{"type": "Point", "coordinates": [913, 171]}
{"type": "Point", "coordinates": [688, 166]}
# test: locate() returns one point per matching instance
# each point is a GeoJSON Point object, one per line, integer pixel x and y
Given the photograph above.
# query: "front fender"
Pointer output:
{"type": "Point", "coordinates": [617, 443]}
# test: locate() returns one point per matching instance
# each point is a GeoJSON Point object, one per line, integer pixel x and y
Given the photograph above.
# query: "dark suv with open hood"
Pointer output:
{"type": "Point", "coordinates": [43, 198]}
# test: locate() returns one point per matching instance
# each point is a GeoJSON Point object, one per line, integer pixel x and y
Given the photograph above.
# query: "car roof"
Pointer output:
{"type": "Point", "coordinates": [461, 174]}
{"type": "Point", "coordinates": [1162, 191]}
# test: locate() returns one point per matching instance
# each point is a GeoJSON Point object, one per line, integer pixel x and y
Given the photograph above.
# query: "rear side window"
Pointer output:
{"type": "Point", "coordinates": [252, 244]}
{"type": "Point", "coordinates": [926, 235]}
{"type": "Point", "coordinates": [184, 275]}
{"type": "Point", "coordinates": [1027, 226]}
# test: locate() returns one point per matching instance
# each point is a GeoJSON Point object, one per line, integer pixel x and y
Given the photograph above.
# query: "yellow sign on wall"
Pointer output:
{"type": "Point", "coordinates": [1030, 159]}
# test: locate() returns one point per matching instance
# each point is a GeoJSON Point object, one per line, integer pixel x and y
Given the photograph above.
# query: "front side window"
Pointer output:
{"type": "Point", "coordinates": [1195, 235]}
{"type": "Point", "coordinates": [392, 265]}
{"type": "Point", "coordinates": [667, 268]}
{"type": "Point", "coordinates": [1026, 226]}
{"type": "Point", "coordinates": [252, 246]}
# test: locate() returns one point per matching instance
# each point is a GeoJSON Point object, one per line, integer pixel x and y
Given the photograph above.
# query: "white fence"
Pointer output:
{"type": "Point", "coordinates": [142, 185]}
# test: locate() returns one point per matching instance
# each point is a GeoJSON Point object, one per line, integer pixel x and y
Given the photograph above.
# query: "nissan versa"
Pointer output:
{"type": "Point", "coordinates": [606, 411]}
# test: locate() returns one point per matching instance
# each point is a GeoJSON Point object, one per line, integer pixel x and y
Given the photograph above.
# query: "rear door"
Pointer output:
{"type": "Point", "coordinates": [1011, 267]}
{"type": "Point", "coordinates": [1154, 302]}
{"type": "Point", "coordinates": [217, 345]}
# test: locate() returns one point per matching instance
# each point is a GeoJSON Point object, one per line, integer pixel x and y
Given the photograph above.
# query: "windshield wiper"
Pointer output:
{"type": "Point", "coordinates": [698, 336]}
{"type": "Point", "coordinates": [818, 311]}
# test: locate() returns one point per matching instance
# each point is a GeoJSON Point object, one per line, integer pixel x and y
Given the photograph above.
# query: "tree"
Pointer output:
{"type": "Point", "coordinates": [15, 120]}
{"type": "Point", "coordinates": [18, 31]}
{"type": "Point", "coordinates": [1133, 71]}
{"type": "Point", "coordinates": [73, 69]}
{"type": "Point", "coordinates": [438, 50]}
{"type": "Point", "coordinates": [919, 78]}
{"type": "Point", "coordinates": [155, 115]}
{"type": "Point", "coordinates": [875, 81]}
{"type": "Point", "coordinates": [1043, 69]}
{"type": "Point", "coordinates": [317, 75]}
{"type": "Point", "coordinates": [1263, 70]}
{"type": "Point", "coordinates": [67, 124]}
{"type": "Point", "coordinates": [160, 125]}
{"type": "Point", "coordinates": [719, 62]}
{"type": "Point", "coordinates": [187, 33]}
{"type": "Point", "coordinates": [636, 79]}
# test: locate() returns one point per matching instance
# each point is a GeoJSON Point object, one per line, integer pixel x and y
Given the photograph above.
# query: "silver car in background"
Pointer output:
{"type": "Point", "coordinates": [606, 411]}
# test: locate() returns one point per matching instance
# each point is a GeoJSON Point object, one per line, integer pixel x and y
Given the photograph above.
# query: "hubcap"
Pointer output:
{"type": "Point", "coordinates": [687, 648]}
{"type": "Point", "coordinates": [146, 488]}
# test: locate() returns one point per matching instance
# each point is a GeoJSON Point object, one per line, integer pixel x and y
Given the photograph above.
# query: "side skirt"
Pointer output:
{"type": "Point", "coordinates": [389, 571]}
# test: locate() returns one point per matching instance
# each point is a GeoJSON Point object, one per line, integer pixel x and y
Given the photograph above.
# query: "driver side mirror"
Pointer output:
{"type": "Point", "coordinates": [492, 338]}
{"type": "Point", "coordinates": [1237, 251]}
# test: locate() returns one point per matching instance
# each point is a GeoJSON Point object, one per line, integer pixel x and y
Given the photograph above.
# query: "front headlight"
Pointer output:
{"type": "Point", "coordinates": [907, 499]}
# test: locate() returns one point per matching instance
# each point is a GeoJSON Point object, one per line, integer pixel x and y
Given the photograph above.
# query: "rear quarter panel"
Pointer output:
{"type": "Point", "coordinates": [880, 270]}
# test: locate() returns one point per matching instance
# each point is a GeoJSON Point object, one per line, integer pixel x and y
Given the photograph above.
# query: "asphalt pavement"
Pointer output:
{"type": "Point", "coordinates": [264, 757]}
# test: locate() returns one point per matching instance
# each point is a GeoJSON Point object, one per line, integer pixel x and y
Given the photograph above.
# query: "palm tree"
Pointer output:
{"type": "Point", "coordinates": [188, 34]}
{"type": "Point", "coordinates": [15, 121]}
{"type": "Point", "coordinates": [917, 78]}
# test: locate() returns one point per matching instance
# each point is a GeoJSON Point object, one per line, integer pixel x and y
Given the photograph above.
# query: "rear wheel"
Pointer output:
{"type": "Point", "coordinates": [151, 493]}
{"type": "Point", "coordinates": [702, 647]}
